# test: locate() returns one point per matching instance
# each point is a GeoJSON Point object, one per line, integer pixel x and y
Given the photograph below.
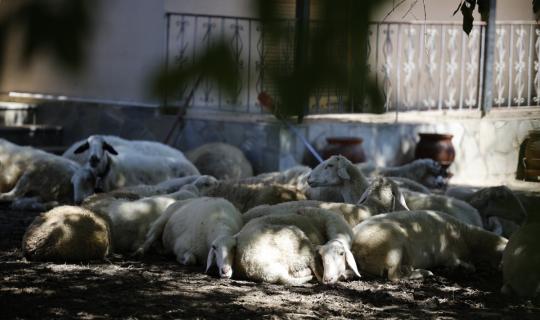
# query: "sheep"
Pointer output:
{"type": "Point", "coordinates": [295, 176]}
{"type": "Point", "coordinates": [129, 169]}
{"type": "Point", "coordinates": [192, 183]}
{"type": "Point", "coordinates": [34, 179]}
{"type": "Point", "coordinates": [246, 196]}
{"type": "Point", "coordinates": [339, 175]}
{"type": "Point", "coordinates": [290, 248]}
{"type": "Point", "coordinates": [93, 148]}
{"type": "Point", "coordinates": [67, 234]}
{"type": "Point", "coordinates": [425, 171]}
{"type": "Point", "coordinates": [221, 160]}
{"type": "Point", "coordinates": [403, 244]}
{"type": "Point", "coordinates": [129, 221]}
{"type": "Point", "coordinates": [521, 261]}
{"type": "Point", "coordinates": [352, 214]}
{"type": "Point", "coordinates": [197, 229]}
{"type": "Point", "coordinates": [501, 210]}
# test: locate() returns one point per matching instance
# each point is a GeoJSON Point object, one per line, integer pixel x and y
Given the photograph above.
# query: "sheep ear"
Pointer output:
{"type": "Point", "coordinates": [109, 148]}
{"type": "Point", "coordinates": [351, 262]}
{"type": "Point", "coordinates": [400, 204]}
{"type": "Point", "coordinates": [363, 197]}
{"type": "Point", "coordinates": [83, 147]}
{"type": "Point", "coordinates": [210, 259]}
{"type": "Point", "coordinates": [342, 170]}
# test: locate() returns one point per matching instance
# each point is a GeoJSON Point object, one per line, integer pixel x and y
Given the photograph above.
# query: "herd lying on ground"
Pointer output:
{"type": "Point", "coordinates": [110, 195]}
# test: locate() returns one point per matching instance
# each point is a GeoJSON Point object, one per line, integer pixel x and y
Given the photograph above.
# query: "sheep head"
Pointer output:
{"type": "Point", "coordinates": [98, 149]}
{"type": "Point", "coordinates": [203, 183]}
{"type": "Point", "coordinates": [222, 253]}
{"type": "Point", "coordinates": [83, 182]}
{"type": "Point", "coordinates": [331, 172]}
{"type": "Point", "coordinates": [431, 174]}
{"type": "Point", "coordinates": [384, 195]}
{"type": "Point", "coordinates": [336, 257]}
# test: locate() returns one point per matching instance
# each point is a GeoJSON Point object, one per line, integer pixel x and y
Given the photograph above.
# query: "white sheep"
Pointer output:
{"type": "Point", "coordinates": [67, 234]}
{"type": "Point", "coordinates": [221, 160]}
{"type": "Point", "coordinates": [93, 149]}
{"type": "Point", "coordinates": [291, 248]}
{"type": "Point", "coordinates": [404, 244]}
{"type": "Point", "coordinates": [521, 261]}
{"type": "Point", "coordinates": [246, 196]}
{"type": "Point", "coordinates": [428, 172]}
{"type": "Point", "coordinates": [193, 183]}
{"type": "Point", "coordinates": [353, 214]}
{"type": "Point", "coordinates": [197, 230]}
{"type": "Point", "coordinates": [34, 179]}
{"type": "Point", "coordinates": [501, 210]}
{"type": "Point", "coordinates": [129, 221]}
{"type": "Point", "coordinates": [130, 169]}
{"type": "Point", "coordinates": [339, 175]}
{"type": "Point", "coordinates": [295, 176]}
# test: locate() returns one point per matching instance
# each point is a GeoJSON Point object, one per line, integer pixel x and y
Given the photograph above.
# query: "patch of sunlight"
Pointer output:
{"type": "Point", "coordinates": [519, 250]}
{"type": "Point", "coordinates": [27, 290]}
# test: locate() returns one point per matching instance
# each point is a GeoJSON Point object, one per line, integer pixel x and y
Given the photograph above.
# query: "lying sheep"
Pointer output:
{"type": "Point", "coordinates": [331, 175]}
{"type": "Point", "coordinates": [129, 169]}
{"type": "Point", "coordinates": [129, 221]}
{"type": "Point", "coordinates": [521, 261]}
{"type": "Point", "coordinates": [291, 248]}
{"type": "Point", "coordinates": [352, 214]}
{"type": "Point", "coordinates": [67, 234]}
{"type": "Point", "coordinates": [34, 179]}
{"type": "Point", "coordinates": [501, 210]}
{"type": "Point", "coordinates": [428, 172]}
{"type": "Point", "coordinates": [246, 196]}
{"type": "Point", "coordinates": [197, 229]}
{"type": "Point", "coordinates": [403, 244]}
{"type": "Point", "coordinates": [93, 149]}
{"type": "Point", "coordinates": [192, 183]}
{"type": "Point", "coordinates": [221, 160]}
{"type": "Point", "coordinates": [339, 176]}
{"type": "Point", "coordinates": [295, 176]}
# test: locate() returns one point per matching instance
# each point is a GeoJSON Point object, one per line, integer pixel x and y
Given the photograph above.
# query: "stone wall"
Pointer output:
{"type": "Point", "coordinates": [486, 148]}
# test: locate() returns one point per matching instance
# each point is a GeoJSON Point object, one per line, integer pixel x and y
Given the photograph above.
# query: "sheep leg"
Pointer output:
{"type": "Point", "coordinates": [293, 281]}
{"type": "Point", "coordinates": [186, 259]}
{"type": "Point", "coordinates": [418, 274]}
{"type": "Point", "coordinates": [394, 273]}
{"type": "Point", "coordinates": [456, 262]}
{"type": "Point", "coordinates": [302, 273]}
{"type": "Point", "coordinates": [155, 231]}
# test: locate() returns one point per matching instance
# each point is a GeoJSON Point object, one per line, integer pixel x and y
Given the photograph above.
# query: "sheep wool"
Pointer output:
{"type": "Point", "coordinates": [67, 234]}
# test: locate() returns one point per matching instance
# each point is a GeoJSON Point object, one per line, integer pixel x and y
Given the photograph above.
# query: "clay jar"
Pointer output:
{"type": "Point", "coordinates": [531, 160]}
{"type": "Point", "coordinates": [436, 146]}
{"type": "Point", "coordinates": [349, 147]}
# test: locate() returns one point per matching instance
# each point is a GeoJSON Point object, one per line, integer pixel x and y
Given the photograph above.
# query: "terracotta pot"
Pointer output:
{"type": "Point", "coordinates": [436, 146]}
{"type": "Point", "coordinates": [531, 161]}
{"type": "Point", "coordinates": [349, 147]}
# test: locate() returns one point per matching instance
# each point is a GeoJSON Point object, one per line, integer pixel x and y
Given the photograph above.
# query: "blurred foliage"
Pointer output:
{"type": "Point", "coordinates": [331, 55]}
{"type": "Point", "coordinates": [59, 27]}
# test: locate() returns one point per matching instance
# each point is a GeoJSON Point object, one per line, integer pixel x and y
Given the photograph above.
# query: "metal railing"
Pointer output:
{"type": "Point", "coordinates": [417, 65]}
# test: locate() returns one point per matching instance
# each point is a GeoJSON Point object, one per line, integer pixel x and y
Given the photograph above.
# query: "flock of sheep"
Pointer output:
{"type": "Point", "coordinates": [333, 223]}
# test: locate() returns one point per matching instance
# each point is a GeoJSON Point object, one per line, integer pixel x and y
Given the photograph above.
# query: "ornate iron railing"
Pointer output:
{"type": "Point", "coordinates": [417, 65]}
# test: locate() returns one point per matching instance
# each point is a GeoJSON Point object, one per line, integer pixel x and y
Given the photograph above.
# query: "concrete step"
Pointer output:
{"type": "Point", "coordinates": [41, 136]}
{"type": "Point", "coordinates": [16, 113]}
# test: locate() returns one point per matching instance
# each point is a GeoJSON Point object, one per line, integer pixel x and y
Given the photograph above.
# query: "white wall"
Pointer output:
{"type": "Point", "coordinates": [238, 8]}
{"type": "Point", "coordinates": [128, 44]}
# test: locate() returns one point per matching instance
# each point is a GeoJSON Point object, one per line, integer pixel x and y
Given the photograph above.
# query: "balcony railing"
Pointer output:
{"type": "Point", "coordinates": [417, 65]}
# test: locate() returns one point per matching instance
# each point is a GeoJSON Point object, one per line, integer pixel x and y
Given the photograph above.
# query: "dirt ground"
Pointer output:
{"type": "Point", "coordinates": [157, 287]}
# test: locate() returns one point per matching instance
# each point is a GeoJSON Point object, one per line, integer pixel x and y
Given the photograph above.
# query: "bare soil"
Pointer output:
{"type": "Point", "coordinates": [158, 287]}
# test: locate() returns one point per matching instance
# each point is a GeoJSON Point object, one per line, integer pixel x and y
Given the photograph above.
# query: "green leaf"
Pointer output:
{"type": "Point", "coordinates": [467, 9]}
{"type": "Point", "coordinates": [536, 7]}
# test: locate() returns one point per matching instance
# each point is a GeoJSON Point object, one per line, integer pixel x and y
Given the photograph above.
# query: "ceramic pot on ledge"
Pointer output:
{"type": "Point", "coordinates": [349, 147]}
{"type": "Point", "coordinates": [436, 146]}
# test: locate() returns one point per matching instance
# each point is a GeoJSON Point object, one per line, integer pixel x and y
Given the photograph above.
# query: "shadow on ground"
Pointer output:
{"type": "Point", "coordinates": [157, 287]}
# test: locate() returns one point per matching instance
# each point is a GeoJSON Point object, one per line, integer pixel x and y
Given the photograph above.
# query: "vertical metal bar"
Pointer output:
{"type": "Point", "coordinates": [489, 59]}
{"type": "Point", "coordinates": [302, 34]}
{"type": "Point", "coordinates": [421, 40]}
{"type": "Point", "coordinates": [398, 70]}
{"type": "Point", "coordinates": [194, 55]}
{"type": "Point", "coordinates": [377, 54]}
{"type": "Point", "coordinates": [510, 64]}
{"type": "Point", "coordinates": [481, 67]}
{"type": "Point", "coordinates": [220, 106]}
{"type": "Point", "coordinates": [530, 66]}
{"type": "Point", "coordinates": [167, 35]}
{"type": "Point", "coordinates": [248, 85]}
{"type": "Point", "coordinates": [462, 68]}
{"type": "Point", "coordinates": [443, 57]}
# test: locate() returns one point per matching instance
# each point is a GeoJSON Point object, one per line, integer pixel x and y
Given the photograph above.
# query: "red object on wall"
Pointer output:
{"type": "Point", "coordinates": [436, 146]}
{"type": "Point", "coordinates": [349, 147]}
